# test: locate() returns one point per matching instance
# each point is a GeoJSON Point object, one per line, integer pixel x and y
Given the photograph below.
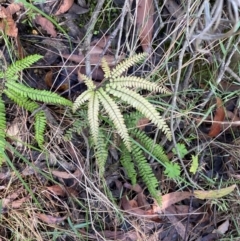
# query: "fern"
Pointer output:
{"type": "Point", "coordinates": [146, 172]}
{"type": "Point", "coordinates": [40, 118]}
{"type": "Point", "coordinates": [2, 130]}
{"type": "Point", "coordinates": [37, 95]}
{"type": "Point", "coordinates": [127, 163]}
{"type": "Point", "coordinates": [19, 66]}
{"type": "Point", "coordinates": [143, 106]}
{"type": "Point", "coordinates": [101, 153]}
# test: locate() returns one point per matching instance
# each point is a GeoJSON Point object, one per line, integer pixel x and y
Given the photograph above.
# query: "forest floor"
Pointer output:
{"type": "Point", "coordinates": [59, 191]}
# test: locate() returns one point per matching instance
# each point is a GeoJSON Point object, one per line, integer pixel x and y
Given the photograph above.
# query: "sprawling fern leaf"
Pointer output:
{"type": "Point", "coordinates": [39, 126]}
{"type": "Point", "coordinates": [101, 153]}
{"type": "Point", "coordinates": [93, 109]}
{"type": "Point", "coordinates": [128, 164]}
{"type": "Point", "coordinates": [149, 144]}
{"type": "Point", "coordinates": [143, 106]}
{"type": "Point", "coordinates": [126, 64]}
{"type": "Point", "coordinates": [115, 115]}
{"type": "Point", "coordinates": [85, 96]}
{"type": "Point", "coordinates": [106, 69]}
{"type": "Point", "coordinates": [21, 65]}
{"type": "Point", "coordinates": [2, 130]}
{"type": "Point", "coordinates": [136, 82]}
{"type": "Point", "coordinates": [40, 118]}
{"type": "Point", "coordinates": [146, 172]}
{"type": "Point", "coordinates": [38, 95]}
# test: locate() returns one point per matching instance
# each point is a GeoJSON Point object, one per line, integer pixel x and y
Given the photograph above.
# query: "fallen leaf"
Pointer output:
{"type": "Point", "coordinates": [94, 59]}
{"type": "Point", "coordinates": [169, 199]}
{"type": "Point", "coordinates": [65, 6]}
{"type": "Point", "coordinates": [57, 190]}
{"type": "Point", "coordinates": [144, 19]}
{"type": "Point", "coordinates": [50, 219]}
{"type": "Point", "coordinates": [46, 25]}
{"type": "Point", "coordinates": [142, 123]}
{"type": "Point", "coordinates": [223, 228]}
{"type": "Point", "coordinates": [137, 188]}
{"type": "Point", "coordinates": [14, 7]}
{"type": "Point", "coordinates": [214, 193]}
{"type": "Point", "coordinates": [7, 24]}
{"type": "Point", "coordinates": [18, 203]}
{"type": "Point", "coordinates": [219, 117]}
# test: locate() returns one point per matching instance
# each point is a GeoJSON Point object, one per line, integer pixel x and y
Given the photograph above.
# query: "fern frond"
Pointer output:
{"type": "Point", "coordinates": [23, 101]}
{"type": "Point", "coordinates": [21, 65]}
{"type": "Point", "coordinates": [39, 127]}
{"type": "Point", "coordinates": [93, 109]}
{"type": "Point", "coordinates": [150, 145]}
{"type": "Point", "coordinates": [40, 118]}
{"type": "Point", "coordinates": [136, 82]}
{"type": "Point", "coordinates": [106, 69]}
{"type": "Point", "coordinates": [142, 105]}
{"type": "Point", "coordinates": [37, 95]}
{"type": "Point", "coordinates": [128, 164]}
{"type": "Point", "coordinates": [85, 96]}
{"type": "Point", "coordinates": [115, 115]}
{"type": "Point", "coordinates": [126, 64]}
{"type": "Point", "coordinates": [146, 172]}
{"type": "Point", "coordinates": [89, 83]}
{"type": "Point", "coordinates": [101, 153]}
{"type": "Point", "coordinates": [2, 130]}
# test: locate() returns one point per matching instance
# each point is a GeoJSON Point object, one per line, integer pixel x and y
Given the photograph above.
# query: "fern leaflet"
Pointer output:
{"type": "Point", "coordinates": [85, 96]}
{"type": "Point", "coordinates": [2, 130]}
{"type": "Point", "coordinates": [143, 106]}
{"type": "Point", "coordinates": [116, 116]}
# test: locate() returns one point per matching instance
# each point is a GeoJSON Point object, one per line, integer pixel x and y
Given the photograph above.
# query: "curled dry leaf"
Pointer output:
{"type": "Point", "coordinates": [14, 7]}
{"type": "Point", "coordinates": [57, 190]}
{"type": "Point", "coordinates": [145, 10]}
{"type": "Point", "coordinates": [46, 25]}
{"type": "Point", "coordinates": [219, 117]}
{"type": "Point", "coordinates": [66, 5]}
{"type": "Point", "coordinates": [7, 24]}
{"type": "Point", "coordinates": [50, 219]}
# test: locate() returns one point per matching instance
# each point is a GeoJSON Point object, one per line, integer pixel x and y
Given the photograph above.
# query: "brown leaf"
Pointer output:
{"type": "Point", "coordinates": [67, 4]}
{"type": "Point", "coordinates": [46, 25]}
{"type": "Point", "coordinates": [219, 117]}
{"type": "Point", "coordinates": [142, 123]}
{"type": "Point", "coordinates": [7, 24]}
{"type": "Point", "coordinates": [14, 7]}
{"type": "Point", "coordinates": [66, 175]}
{"type": "Point", "coordinates": [50, 219]}
{"type": "Point", "coordinates": [131, 205]}
{"type": "Point", "coordinates": [18, 203]}
{"type": "Point", "coordinates": [57, 190]}
{"type": "Point", "coordinates": [94, 59]}
{"type": "Point", "coordinates": [145, 10]}
{"type": "Point", "coordinates": [137, 188]}
{"type": "Point", "coordinates": [169, 199]}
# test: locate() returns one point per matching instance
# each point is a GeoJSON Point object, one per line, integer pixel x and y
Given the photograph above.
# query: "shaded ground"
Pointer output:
{"type": "Point", "coordinates": [56, 193]}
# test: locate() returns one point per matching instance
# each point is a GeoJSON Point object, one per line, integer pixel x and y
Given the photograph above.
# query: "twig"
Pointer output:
{"type": "Point", "coordinates": [89, 35]}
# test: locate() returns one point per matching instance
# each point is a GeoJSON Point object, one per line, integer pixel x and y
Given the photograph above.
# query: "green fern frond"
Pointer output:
{"type": "Point", "coordinates": [37, 95]}
{"type": "Point", "coordinates": [40, 118]}
{"type": "Point", "coordinates": [106, 69]}
{"type": "Point", "coordinates": [39, 127]}
{"type": "Point", "coordinates": [136, 82]}
{"type": "Point", "coordinates": [93, 109]}
{"type": "Point", "coordinates": [21, 65]}
{"type": "Point", "coordinates": [115, 115]}
{"type": "Point", "coordinates": [101, 153]}
{"type": "Point", "coordinates": [85, 96]}
{"type": "Point", "coordinates": [128, 164]}
{"type": "Point", "coordinates": [150, 145]}
{"type": "Point", "coordinates": [142, 105]}
{"type": "Point", "coordinates": [146, 172]}
{"type": "Point", "coordinates": [2, 130]}
{"type": "Point", "coordinates": [126, 64]}
{"type": "Point", "coordinates": [23, 101]}
{"type": "Point", "coordinates": [89, 83]}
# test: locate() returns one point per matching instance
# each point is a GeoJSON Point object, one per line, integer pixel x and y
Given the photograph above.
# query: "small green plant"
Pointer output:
{"type": "Point", "coordinates": [124, 88]}
{"type": "Point", "coordinates": [115, 85]}
{"type": "Point", "coordinates": [25, 97]}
